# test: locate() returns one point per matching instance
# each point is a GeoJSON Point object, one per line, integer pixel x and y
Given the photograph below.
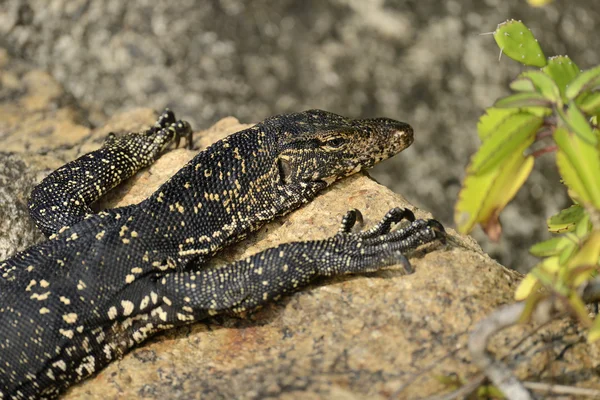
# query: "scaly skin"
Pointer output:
{"type": "Point", "coordinates": [105, 282]}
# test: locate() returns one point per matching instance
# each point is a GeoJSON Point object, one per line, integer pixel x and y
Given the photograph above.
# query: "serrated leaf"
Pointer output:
{"type": "Point", "coordinates": [515, 131]}
{"type": "Point", "coordinates": [579, 165]}
{"type": "Point", "coordinates": [491, 119]}
{"type": "Point", "coordinates": [550, 247]}
{"type": "Point", "coordinates": [594, 333]}
{"type": "Point", "coordinates": [566, 219]}
{"type": "Point", "coordinates": [483, 196]}
{"type": "Point", "coordinates": [522, 85]}
{"type": "Point", "coordinates": [584, 81]}
{"type": "Point", "coordinates": [562, 70]}
{"type": "Point", "coordinates": [574, 119]}
{"type": "Point", "coordinates": [518, 43]}
{"type": "Point", "coordinates": [526, 99]}
{"type": "Point", "coordinates": [544, 85]}
{"type": "Point", "coordinates": [589, 103]}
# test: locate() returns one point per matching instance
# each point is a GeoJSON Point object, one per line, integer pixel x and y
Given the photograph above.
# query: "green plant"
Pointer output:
{"type": "Point", "coordinates": [556, 103]}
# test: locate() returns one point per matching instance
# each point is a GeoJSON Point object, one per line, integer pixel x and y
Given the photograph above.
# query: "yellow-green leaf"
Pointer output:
{"type": "Point", "coordinates": [583, 227]}
{"type": "Point", "coordinates": [566, 219]}
{"type": "Point", "coordinates": [550, 247]}
{"type": "Point", "coordinates": [570, 247]}
{"type": "Point", "coordinates": [491, 119]}
{"type": "Point", "coordinates": [579, 165]}
{"type": "Point", "coordinates": [577, 123]}
{"type": "Point", "coordinates": [584, 81]}
{"type": "Point", "coordinates": [484, 195]}
{"type": "Point", "coordinates": [548, 267]}
{"type": "Point", "coordinates": [522, 85]}
{"type": "Point", "coordinates": [544, 85]}
{"type": "Point", "coordinates": [515, 131]}
{"type": "Point", "coordinates": [562, 70]}
{"type": "Point", "coordinates": [589, 103]}
{"type": "Point", "coordinates": [527, 286]}
{"type": "Point", "coordinates": [525, 99]}
{"type": "Point", "coordinates": [586, 256]}
{"type": "Point", "coordinates": [518, 43]}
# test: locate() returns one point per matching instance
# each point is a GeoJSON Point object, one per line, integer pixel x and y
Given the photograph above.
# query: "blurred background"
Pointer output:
{"type": "Point", "coordinates": [421, 61]}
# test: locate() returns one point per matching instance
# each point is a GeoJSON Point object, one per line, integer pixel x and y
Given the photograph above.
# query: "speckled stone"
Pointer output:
{"type": "Point", "coordinates": [348, 338]}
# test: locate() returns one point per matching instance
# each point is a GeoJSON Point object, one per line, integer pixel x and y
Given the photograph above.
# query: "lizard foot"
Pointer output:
{"type": "Point", "coordinates": [382, 245]}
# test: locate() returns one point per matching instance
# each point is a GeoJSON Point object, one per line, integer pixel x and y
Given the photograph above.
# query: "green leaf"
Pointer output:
{"type": "Point", "coordinates": [589, 103]}
{"type": "Point", "coordinates": [586, 256]}
{"type": "Point", "coordinates": [544, 85]}
{"type": "Point", "coordinates": [483, 196]}
{"type": "Point", "coordinates": [583, 227]}
{"type": "Point", "coordinates": [546, 272]}
{"type": "Point", "coordinates": [522, 85]}
{"type": "Point", "coordinates": [550, 247]}
{"type": "Point", "coordinates": [577, 123]}
{"type": "Point", "coordinates": [516, 41]}
{"type": "Point", "coordinates": [570, 248]}
{"type": "Point", "coordinates": [525, 99]}
{"type": "Point", "coordinates": [584, 81]}
{"type": "Point", "coordinates": [491, 119]}
{"type": "Point", "coordinates": [566, 220]}
{"type": "Point", "coordinates": [562, 70]}
{"type": "Point", "coordinates": [527, 288]}
{"type": "Point", "coordinates": [515, 131]}
{"type": "Point", "coordinates": [579, 165]}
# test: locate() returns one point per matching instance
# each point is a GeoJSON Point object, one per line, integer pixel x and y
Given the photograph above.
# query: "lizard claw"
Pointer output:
{"type": "Point", "coordinates": [183, 129]}
{"type": "Point", "coordinates": [350, 219]}
{"type": "Point", "coordinates": [381, 246]}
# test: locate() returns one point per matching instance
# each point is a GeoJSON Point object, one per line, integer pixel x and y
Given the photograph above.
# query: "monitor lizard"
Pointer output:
{"type": "Point", "coordinates": [104, 282]}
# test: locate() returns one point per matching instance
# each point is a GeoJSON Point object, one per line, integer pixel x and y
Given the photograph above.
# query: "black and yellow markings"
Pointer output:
{"type": "Point", "coordinates": [108, 281]}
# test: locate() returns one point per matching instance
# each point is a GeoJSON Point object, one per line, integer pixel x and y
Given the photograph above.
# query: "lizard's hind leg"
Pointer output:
{"type": "Point", "coordinates": [63, 197]}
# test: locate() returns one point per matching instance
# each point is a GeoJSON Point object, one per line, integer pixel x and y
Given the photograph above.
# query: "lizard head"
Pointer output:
{"type": "Point", "coordinates": [320, 146]}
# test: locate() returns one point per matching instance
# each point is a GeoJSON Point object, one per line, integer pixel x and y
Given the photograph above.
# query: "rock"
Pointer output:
{"type": "Point", "coordinates": [17, 230]}
{"type": "Point", "coordinates": [42, 128]}
{"type": "Point", "coordinates": [352, 338]}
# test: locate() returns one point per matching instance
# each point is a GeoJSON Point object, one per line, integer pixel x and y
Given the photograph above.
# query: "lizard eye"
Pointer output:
{"type": "Point", "coordinates": [335, 142]}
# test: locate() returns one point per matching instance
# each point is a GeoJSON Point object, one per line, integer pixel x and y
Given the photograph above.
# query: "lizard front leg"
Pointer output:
{"type": "Point", "coordinates": [63, 197]}
{"type": "Point", "coordinates": [263, 277]}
